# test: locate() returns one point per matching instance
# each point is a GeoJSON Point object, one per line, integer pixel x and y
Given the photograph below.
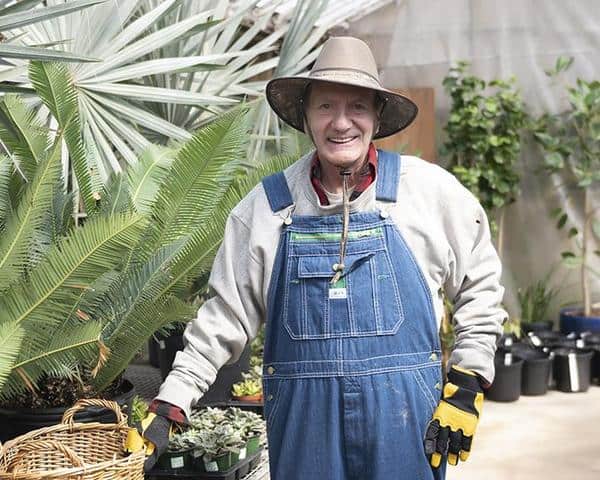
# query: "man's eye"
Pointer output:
{"type": "Point", "coordinates": [324, 106]}
{"type": "Point", "coordinates": [360, 106]}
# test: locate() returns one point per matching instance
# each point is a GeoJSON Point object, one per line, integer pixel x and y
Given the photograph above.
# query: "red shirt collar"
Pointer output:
{"type": "Point", "coordinates": [367, 177]}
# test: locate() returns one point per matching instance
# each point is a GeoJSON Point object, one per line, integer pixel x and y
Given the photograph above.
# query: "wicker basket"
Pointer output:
{"type": "Point", "coordinates": [70, 451]}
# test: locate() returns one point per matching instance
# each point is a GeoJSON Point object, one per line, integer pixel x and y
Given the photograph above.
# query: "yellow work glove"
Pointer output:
{"type": "Point", "coordinates": [153, 433]}
{"type": "Point", "coordinates": [450, 431]}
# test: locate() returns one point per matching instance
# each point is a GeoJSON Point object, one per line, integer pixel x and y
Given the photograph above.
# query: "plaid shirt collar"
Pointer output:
{"type": "Point", "coordinates": [367, 176]}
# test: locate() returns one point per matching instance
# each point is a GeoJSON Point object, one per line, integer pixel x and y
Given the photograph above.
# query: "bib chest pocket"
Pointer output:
{"type": "Point", "coordinates": [364, 302]}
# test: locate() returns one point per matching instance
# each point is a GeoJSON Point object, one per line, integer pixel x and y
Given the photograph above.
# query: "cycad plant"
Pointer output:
{"type": "Point", "coordinates": [82, 300]}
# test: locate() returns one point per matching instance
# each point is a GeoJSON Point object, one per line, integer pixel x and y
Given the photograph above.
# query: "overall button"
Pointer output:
{"type": "Point", "coordinates": [433, 357]}
{"type": "Point", "coordinates": [384, 213]}
{"type": "Point", "coordinates": [270, 370]}
{"type": "Point", "coordinates": [287, 220]}
{"type": "Point", "coordinates": [438, 386]}
{"type": "Point", "coordinates": [269, 397]}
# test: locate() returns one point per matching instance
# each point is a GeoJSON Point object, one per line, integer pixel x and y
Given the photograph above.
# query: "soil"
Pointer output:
{"type": "Point", "coordinates": [55, 392]}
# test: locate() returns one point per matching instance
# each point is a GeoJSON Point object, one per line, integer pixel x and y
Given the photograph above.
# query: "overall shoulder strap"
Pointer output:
{"type": "Point", "coordinates": [278, 192]}
{"type": "Point", "coordinates": [388, 175]}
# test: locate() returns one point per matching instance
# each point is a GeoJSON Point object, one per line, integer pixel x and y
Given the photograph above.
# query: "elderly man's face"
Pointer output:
{"type": "Point", "coordinates": [342, 120]}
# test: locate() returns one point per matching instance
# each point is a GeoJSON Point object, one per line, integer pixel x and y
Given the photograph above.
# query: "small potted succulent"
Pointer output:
{"type": "Point", "coordinates": [182, 450]}
{"type": "Point", "coordinates": [252, 427]}
{"type": "Point", "coordinates": [250, 390]}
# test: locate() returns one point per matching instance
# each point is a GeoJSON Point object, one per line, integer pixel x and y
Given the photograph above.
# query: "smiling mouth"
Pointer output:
{"type": "Point", "coordinates": [342, 140]}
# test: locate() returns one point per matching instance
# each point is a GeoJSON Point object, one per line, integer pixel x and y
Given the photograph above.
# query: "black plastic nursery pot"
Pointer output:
{"type": "Point", "coordinates": [537, 367]}
{"type": "Point", "coordinates": [544, 326]}
{"type": "Point", "coordinates": [573, 320]}
{"type": "Point", "coordinates": [592, 341]}
{"type": "Point", "coordinates": [507, 382]}
{"type": "Point", "coordinates": [220, 390]}
{"type": "Point", "coordinates": [572, 369]}
{"type": "Point", "coordinates": [177, 460]}
{"type": "Point", "coordinates": [15, 422]}
{"type": "Point", "coordinates": [199, 472]}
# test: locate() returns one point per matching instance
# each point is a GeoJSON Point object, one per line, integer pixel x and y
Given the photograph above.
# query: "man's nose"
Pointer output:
{"type": "Point", "coordinates": [341, 120]}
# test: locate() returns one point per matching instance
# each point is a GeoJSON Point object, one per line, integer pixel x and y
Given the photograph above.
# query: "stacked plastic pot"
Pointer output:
{"type": "Point", "coordinates": [544, 359]}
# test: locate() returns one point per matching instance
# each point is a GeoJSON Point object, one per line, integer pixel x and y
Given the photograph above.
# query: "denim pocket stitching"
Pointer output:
{"type": "Point", "coordinates": [424, 389]}
{"type": "Point", "coordinates": [276, 401]}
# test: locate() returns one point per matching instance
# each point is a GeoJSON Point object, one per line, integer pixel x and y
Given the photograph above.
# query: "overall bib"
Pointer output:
{"type": "Point", "coordinates": [352, 371]}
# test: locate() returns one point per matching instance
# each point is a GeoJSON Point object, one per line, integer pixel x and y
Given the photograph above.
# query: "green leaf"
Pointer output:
{"type": "Point", "coordinates": [561, 221]}
{"type": "Point", "coordinates": [42, 301]}
{"type": "Point", "coordinates": [147, 175]}
{"type": "Point", "coordinates": [554, 160]}
{"type": "Point", "coordinates": [23, 134]}
{"type": "Point", "coordinates": [17, 241]}
{"type": "Point", "coordinates": [200, 174]}
{"type": "Point", "coordinates": [54, 85]}
{"type": "Point", "coordinates": [11, 337]}
{"type": "Point", "coordinates": [567, 254]}
{"type": "Point", "coordinates": [572, 232]}
{"type": "Point", "coordinates": [555, 212]}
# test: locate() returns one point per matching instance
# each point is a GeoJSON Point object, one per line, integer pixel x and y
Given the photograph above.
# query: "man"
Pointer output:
{"type": "Point", "coordinates": [345, 255]}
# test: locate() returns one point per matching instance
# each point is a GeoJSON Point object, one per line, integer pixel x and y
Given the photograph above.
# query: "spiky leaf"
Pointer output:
{"type": "Point", "coordinates": [21, 228]}
{"type": "Point", "coordinates": [22, 134]}
{"type": "Point", "coordinates": [54, 84]}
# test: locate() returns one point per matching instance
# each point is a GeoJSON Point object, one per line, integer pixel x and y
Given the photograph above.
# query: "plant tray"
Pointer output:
{"type": "Point", "coordinates": [237, 472]}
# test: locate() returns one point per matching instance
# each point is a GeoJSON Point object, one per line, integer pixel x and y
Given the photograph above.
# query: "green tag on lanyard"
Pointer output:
{"type": "Point", "coordinates": [338, 289]}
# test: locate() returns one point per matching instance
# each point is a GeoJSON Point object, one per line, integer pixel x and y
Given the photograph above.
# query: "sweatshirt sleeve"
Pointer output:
{"type": "Point", "coordinates": [224, 324]}
{"type": "Point", "coordinates": [473, 286]}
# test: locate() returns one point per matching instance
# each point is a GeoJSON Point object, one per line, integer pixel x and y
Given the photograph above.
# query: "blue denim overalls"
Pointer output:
{"type": "Point", "coordinates": [352, 371]}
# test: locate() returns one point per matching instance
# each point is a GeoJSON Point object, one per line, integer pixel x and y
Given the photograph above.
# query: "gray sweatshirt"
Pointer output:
{"type": "Point", "coordinates": [443, 224]}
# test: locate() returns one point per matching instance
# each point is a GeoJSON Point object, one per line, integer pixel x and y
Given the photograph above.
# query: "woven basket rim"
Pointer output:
{"type": "Point", "coordinates": [91, 468]}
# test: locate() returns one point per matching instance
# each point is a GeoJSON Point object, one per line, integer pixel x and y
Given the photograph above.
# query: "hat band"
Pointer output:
{"type": "Point", "coordinates": [344, 75]}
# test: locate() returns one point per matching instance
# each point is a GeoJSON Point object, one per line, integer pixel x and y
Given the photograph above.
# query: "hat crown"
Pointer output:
{"type": "Point", "coordinates": [346, 53]}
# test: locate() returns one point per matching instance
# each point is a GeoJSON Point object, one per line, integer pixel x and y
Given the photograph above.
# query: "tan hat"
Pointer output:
{"type": "Point", "coordinates": [345, 61]}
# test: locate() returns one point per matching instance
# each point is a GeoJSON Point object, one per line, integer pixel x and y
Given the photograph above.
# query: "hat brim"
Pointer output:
{"type": "Point", "coordinates": [285, 94]}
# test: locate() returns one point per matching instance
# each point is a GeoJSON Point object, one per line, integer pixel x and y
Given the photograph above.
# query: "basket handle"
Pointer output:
{"type": "Point", "coordinates": [25, 448]}
{"type": "Point", "coordinates": [93, 402]}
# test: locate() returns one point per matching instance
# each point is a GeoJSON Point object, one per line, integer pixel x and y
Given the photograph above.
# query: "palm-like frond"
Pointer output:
{"type": "Point", "coordinates": [21, 132]}
{"type": "Point", "coordinates": [196, 257]}
{"type": "Point", "coordinates": [21, 15]}
{"type": "Point", "coordinates": [45, 298]}
{"type": "Point", "coordinates": [145, 177]}
{"type": "Point", "coordinates": [5, 177]}
{"type": "Point", "coordinates": [21, 227]}
{"type": "Point", "coordinates": [133, 309]}
{"type": "Point", "coordinates": [11, 338]}
{"type": "Point", "coordinates": [69, 347]}
{"type": "Point", "coordinates": [116, 197]}
{"type": "Point", "coordinates": [54, 85]}
{"type": "Point", "coordinates": [200, 174]}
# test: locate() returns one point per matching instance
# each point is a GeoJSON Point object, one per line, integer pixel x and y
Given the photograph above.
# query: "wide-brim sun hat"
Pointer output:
{"type": "Point", "coordinates": [342, 61]}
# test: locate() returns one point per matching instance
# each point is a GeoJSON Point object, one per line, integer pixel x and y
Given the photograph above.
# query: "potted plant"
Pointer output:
{"type": "Point", "coordinates": [571, 146]}
{"type": "Point", "coordinates": [535, 301]}
{"type": "Point", "coordinates": [80, 296]}
{"type": "Point", "coordinates": [182, 451]}
{"type": "Point", "coordinates": [484, 140]}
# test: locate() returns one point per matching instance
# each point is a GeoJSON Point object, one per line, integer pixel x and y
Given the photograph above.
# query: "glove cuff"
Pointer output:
{"type": "Point", "coordinates": [167, 410]}
{"type": "Point", "coordinates": [464, 379]}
